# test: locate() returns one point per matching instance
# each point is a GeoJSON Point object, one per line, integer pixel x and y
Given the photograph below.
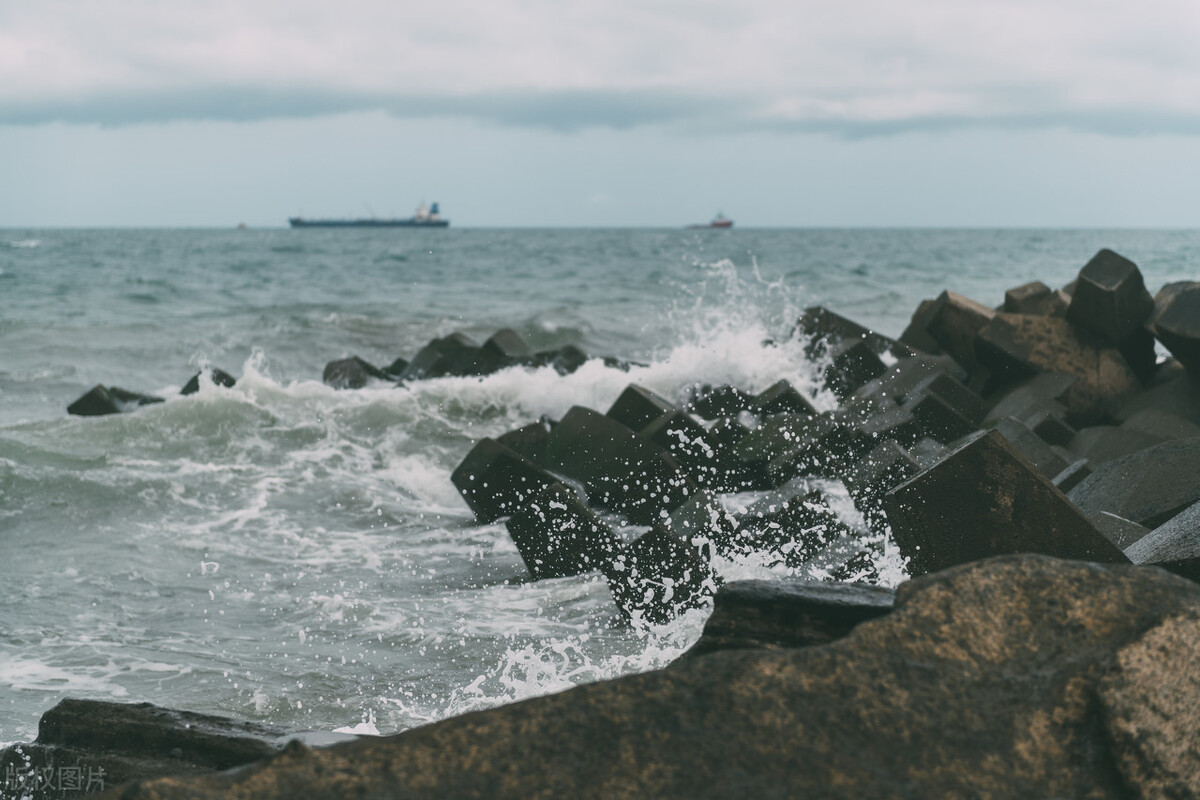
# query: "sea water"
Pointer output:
{"type": "Point", "coordinates": [285, 552]}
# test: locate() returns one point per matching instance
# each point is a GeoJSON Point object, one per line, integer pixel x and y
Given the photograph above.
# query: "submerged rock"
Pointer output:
{"type": "Point", "coordinates": [219, 377]}
{"type": "Point", "coordinates": [351, 373]}
{"type": "Point", "coordinates": [101, 400]}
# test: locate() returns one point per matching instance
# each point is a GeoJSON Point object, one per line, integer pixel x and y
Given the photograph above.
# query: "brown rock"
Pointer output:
{"type": "Point", "coordinates": [953, 322]}
{"type": "Point", "coordinates": [981, 682]}
{"type": "Point", "coordinates": [1020, 345]}
{"type": "Point", "coordinates": [1151, 703]}
{"type": "Point", "coordinates": [917, 335]}
{"type": "Point", "coordinates": [1034, 298]}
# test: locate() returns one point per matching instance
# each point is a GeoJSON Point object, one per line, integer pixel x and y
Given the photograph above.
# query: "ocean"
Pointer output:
{"type": "Point", "coordinates": [285, 552]}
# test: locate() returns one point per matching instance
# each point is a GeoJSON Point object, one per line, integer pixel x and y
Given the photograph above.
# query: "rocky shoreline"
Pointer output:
{"type": "Point", "coordinates": [1036, 465]}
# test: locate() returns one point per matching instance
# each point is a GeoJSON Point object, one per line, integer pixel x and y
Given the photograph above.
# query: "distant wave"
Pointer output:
{"type": "Point", "coordinates": [22, 244]}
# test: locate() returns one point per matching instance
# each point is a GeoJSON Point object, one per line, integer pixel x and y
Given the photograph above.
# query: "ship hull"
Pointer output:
{"type": "Point", "coordinates": [300, 222]}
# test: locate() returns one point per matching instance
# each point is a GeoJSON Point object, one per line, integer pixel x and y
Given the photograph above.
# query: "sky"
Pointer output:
{"type": "Point", "coordinates": [779, 113]}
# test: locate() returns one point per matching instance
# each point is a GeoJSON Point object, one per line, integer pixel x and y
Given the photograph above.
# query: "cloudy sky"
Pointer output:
{"type": "Point", "coordinates": [601, 112]}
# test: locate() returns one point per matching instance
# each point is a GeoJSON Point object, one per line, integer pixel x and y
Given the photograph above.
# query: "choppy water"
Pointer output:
{"type": "Point", "coordinates": [287, 552]}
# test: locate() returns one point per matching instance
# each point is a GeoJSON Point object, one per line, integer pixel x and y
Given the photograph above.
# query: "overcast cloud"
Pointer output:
{"type": "Point", "coordinates": [853, 67]}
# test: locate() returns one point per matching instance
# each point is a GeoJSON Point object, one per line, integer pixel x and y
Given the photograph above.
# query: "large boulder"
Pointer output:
{"type": "Point", "coordinates": [986, 499]}
{"type": "Point", "coordinates": [1176, 322]}
{"type": "Point", "coordinates": [1151, 702]}
{"type": "Point", "coordinates": [1017, 346]}
{"type": "Point", "coordinates": [86, 746]}
{"type": "Point", "coordinates": [1016, 677]}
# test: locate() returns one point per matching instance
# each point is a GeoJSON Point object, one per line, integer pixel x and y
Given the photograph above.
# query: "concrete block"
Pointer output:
{"type": "Point", "coordinates": [529, 441]}
{"type": "Point", "coordinates": [779, 397]}
{"type": "Point", "coordinates": [1021, 345]}
{"type": "Point", "coordinates": [985, 499]}
{"type": "Point", "coordinates": [1119, 530]}
{"type": "Point", "coordinates": [559, 536]}
{"type": "Point", "coordinates": [917, 335]}
{"type": "Point", "coordinates": [448, 355]}
{"type": "Point", "coordinates": [1147, 487]}
{"type": "Point", "coordinates": [825, 329]}
{"type": "Point", "coordinates": [874, 475]}
{"type": "Point", "coordinates": [1073, 475]}
{"type": "Point", "coordinates": [1179, 396]}
{"type": "Point", "coordinates": [1175, 321]}
{"type": "Point", "coordinates": [954, 321]}
{"type": "Point", "coordinates": [793, 522]}
{"type": "Point", "coordinates": [619, 469]}
{"type": "Point", "coordinates": [637, 407]}
{"type": "Point", "coordinates": [658, 577]}
{"type": "Point", "coordinates": [1110, 300]}
{"type": "Point", "coordinates": [705, 524]}
{"type": "Point", "coordinates": [712, 402]}
{"type": "Point", "coordinates": [703, 457]}
{"type": "Point", "coordinates": [851, 364]}
{"type": "Point", "coordinates": [496, 482]}
{"type": "Point", "coordinates": [1173, 546]}
{"type": "Point", "coordinates": [1034, 298]}
{"type": "Point", "coordinates": [1039, 454]}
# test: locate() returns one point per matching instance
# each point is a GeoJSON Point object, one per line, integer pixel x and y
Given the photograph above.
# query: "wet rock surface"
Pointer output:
{"type": "Point", "coordinates": [84, 746]}
{"type": "Point", "coordinates": [1011, 678]}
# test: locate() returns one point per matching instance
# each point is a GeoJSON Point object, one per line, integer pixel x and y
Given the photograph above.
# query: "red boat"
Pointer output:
{"type": "Point", "coordinates": [719, 221]}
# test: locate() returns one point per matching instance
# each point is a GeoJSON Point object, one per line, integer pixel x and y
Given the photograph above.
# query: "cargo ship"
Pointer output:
{"type": "Point", "coordinates": [425, 217]}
